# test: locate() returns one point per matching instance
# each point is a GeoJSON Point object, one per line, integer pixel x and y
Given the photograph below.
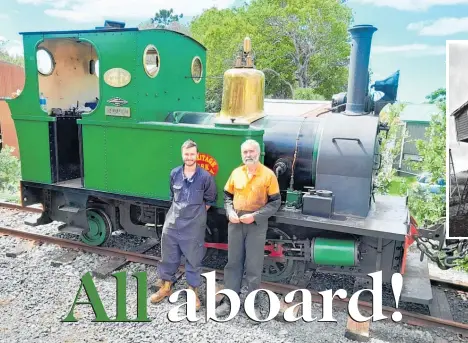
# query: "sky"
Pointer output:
{"type": "Point", "coordinates": [411, 33]}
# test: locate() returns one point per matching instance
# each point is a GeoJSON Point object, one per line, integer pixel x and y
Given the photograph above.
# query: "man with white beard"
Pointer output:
{"type": "Point", "coordinates": [251, 196]}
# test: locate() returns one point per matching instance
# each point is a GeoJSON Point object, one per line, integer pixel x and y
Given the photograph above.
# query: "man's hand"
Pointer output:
{"type": "Point", "coordinates": [233, 218]}
{"type": "Point", "coordinates": [207, 207]}
{"type": "Point", "coordinates": [247, 218]}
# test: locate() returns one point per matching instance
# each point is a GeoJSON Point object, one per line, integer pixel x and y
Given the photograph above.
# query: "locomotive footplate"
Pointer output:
{"type": "Point", "coordinates": [387, 219]}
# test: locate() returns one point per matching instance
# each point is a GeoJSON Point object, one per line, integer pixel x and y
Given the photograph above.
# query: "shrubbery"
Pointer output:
{"type": "Point", "coordinates": [10, 175]}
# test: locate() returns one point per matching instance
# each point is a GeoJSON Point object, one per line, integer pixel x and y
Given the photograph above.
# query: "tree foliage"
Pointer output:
{"type": "Point", "coordinates": [307, 94]}
{"type": "Point", "coordinates": [6, 57]}
{"type": "Point", "coordinates": [438, 96]}
{"type": "Point", "coordinates": [165, 17]}
{"type": "Point", "coordinates": [425, 206]}
{"type": "Point", "coordinates": [10, 173]}
{"type": "Point", "coordinates": [390, 146]}
{"type": "Point", "coordinates": [432, 150]}
{"type": "Point", "coordinates": [300, 43]}
{"type": "Point", "coordinates": [429, 207]}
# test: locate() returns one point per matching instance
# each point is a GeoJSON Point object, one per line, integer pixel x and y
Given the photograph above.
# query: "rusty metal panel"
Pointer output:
{"type": "Point", "coordinates": [11, 79]}
{"type": "Point", "coordinates": [7, 127]}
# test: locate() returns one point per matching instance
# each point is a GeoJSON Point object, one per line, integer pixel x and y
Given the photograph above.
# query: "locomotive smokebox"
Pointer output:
{"type": "Point", "coordinates": [359, 68]}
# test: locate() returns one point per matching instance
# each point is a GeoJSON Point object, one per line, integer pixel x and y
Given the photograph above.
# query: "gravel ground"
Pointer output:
{"type": "Point", "coordinates": [35, 296]}
{"type": "Point", "coordinates": [458, 299]}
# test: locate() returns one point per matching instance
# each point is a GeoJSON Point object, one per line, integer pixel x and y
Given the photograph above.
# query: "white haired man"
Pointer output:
{"type": "Point", "coordinates": [251, 196]}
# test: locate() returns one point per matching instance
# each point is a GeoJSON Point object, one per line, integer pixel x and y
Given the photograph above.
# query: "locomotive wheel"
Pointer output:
{"type": "Point", "coordinates": [100, 227]}
{"type": "Point", "coordinates": [274, 271]}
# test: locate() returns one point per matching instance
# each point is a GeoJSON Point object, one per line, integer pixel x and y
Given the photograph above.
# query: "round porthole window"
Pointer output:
{"type": "Point", "coordinates": [197, 69]}
{"type": "Point", "coordinates": [151, 61]}
{"type": "Point", "coordinates": [45, 62]}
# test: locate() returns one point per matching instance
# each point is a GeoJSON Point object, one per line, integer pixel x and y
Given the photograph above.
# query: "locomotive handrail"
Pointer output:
{"type": "Point", "coordinates": [334, 139]}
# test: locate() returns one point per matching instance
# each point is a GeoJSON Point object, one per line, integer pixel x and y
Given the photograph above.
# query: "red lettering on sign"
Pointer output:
{"type": "Point", "coordinates": [208, 163]}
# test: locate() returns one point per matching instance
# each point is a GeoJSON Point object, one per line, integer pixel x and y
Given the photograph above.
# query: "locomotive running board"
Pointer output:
{"type": "Point", "coordinates": [416, 281]}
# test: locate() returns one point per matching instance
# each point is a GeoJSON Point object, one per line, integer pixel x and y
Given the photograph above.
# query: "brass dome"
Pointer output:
{"type": "Point", "coordinates": [243, 90]}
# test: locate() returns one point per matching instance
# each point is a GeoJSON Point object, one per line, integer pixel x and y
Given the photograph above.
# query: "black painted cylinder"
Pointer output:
{"type": "Point", "coordinates": [282, 133]}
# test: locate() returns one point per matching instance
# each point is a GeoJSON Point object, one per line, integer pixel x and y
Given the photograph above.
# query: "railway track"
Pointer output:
{"type": "Point", "coordinates": [14, 206]}
{"type": "Point", "coordinates": [282, 289]}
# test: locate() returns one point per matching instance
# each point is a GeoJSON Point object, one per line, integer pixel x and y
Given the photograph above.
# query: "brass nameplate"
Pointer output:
{"type": "Point", "coordinates": [117, 111]}
{"type": "Point", "coordinates": [117, 77]}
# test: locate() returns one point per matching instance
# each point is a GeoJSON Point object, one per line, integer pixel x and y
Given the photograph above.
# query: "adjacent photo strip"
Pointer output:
{"type": "Point", "coordinates": [457, 138]}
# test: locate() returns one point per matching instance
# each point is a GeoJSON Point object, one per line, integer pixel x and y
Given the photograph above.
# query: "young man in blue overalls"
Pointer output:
{"type": "Point", "coordinates": [193, 192]}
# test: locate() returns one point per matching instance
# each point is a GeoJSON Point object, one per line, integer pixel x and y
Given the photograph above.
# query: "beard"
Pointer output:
{"type": "Point", "coordinates": [250, 160]}
{"type": "Point", "coordinates": [189, 162]}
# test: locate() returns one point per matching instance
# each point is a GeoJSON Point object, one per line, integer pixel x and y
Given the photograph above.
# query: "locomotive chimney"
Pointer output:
{"type": "Point", "coordinates": [359, 68]}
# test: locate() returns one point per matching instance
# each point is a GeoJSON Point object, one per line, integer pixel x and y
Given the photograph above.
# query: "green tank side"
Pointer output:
{"type": "Point", "coordinates": [31, 123]}
{"type": "Point", "coordinates": [35, 152]}
{"type": "Point", "coordinates": [143, 169]}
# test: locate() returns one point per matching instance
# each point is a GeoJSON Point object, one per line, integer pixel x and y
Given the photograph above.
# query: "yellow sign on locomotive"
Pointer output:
{"type": "Point", "coordinates": [117, 77]}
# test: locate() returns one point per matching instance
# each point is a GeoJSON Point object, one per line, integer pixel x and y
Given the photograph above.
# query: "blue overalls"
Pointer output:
{"type": "Point", "coordinates": [185, 224]}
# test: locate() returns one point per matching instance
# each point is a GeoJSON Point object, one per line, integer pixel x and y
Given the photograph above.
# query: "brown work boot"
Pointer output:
{"type": "Point", "coordinates": [163, 292]}
{"type": "Point", "coordinates": [198, 304]}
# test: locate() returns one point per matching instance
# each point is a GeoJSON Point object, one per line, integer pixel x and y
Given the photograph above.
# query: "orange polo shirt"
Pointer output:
{"type": "Point", "coordinates": [251, 194]}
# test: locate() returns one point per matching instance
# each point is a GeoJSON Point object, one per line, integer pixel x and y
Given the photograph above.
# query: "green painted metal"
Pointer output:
{"type": "Point", "coordinates": [293, 198]}
{"type": "Point", "coordinates": [98, 230]}
{"type": "Point", "coordinates": [334, 252]}
{"type": "Point", "coordinates": [123, 165]}
{"type": "Point", "coordinates": [315, 152]}
{"type": "Point", "coordinates": [130, 155]}
{"type": "Point", "coordinates": [148, 98]}
{"type": "Point", "coordinates": [33, 141]}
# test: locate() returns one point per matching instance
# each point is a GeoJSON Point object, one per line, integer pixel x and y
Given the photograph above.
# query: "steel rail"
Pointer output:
{"type": "Point", "coordinates": [407, 317]}
{"type": "Point", "coordinates": [14, 206]}
{"type": "Point", "coordinates": [456, 285]}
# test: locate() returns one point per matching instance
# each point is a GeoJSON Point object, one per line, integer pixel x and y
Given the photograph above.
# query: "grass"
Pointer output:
{"type": "Point", "coordinates": [8, 197]}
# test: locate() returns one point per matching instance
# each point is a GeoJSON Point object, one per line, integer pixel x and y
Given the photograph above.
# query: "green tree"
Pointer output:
{"type": "Point", "coordinates": [10, 174]}
{"type": "Point", "coordinates": [438, 96]}
{"type": "Point", "coordinates": [306, 94]}
{"type": "Point", "coordinates": [6, 57]}
{"type": "Point", "coordinates": [432, 150]}
{"type": "Point", "coordinates": [425, 206]}
{"type": "Point", "coordinates": [390, 146]}
{"type": "Point", "coordinates": [222, 32]}
{"type": "Point", "coordinates": [164, 17]}
{"type": "Point", "coordinates": [301, 43]}
{"type": "Point", "coordinates": [306, 41]}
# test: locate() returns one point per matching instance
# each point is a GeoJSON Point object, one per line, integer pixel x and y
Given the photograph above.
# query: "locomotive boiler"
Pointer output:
{"type": "Point", "coordinates": [104, 166]}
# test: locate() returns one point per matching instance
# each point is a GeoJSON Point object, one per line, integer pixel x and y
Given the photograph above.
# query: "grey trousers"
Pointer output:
{"type": "Point", "coordinates": [245, 254]}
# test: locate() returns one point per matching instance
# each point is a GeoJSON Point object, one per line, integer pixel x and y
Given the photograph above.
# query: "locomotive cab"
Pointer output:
{"type": "Point", "coordinates": [68, 89]}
